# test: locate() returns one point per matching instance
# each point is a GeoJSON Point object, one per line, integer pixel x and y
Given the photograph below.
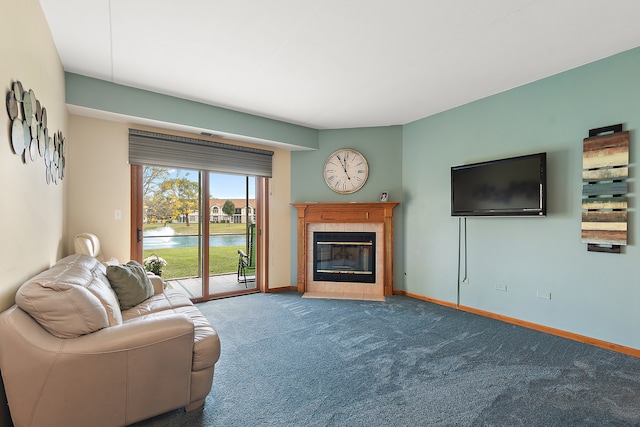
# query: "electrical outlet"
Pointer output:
{"type": "Point", "coordinates": [465, 280]}
{"type": "Point", "coordinates": [501, 287]}
{"type": "Point", "coordinates": [543, 295]}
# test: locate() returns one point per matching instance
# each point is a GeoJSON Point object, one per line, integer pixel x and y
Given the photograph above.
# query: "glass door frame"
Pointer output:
{"type": "Point", "coordinates": [262, 208]}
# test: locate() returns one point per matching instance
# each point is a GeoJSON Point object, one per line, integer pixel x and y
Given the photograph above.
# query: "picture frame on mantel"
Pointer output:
{"type": "Point", "coordinates": [384, 196]}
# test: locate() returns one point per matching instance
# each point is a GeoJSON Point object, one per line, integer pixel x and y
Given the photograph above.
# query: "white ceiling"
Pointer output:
{"type": "Point", "coordinates": [331, 64]}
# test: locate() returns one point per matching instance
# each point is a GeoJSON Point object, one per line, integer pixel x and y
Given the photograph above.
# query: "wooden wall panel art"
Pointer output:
{"type": "Point", "coordinates": [605, 169]}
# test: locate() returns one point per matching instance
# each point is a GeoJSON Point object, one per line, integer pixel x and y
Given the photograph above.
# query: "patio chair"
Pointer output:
{"type": "Point", "coordinates": [243, 263]}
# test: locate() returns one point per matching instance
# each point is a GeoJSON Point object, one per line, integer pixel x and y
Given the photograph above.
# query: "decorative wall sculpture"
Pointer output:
{"type": "Point", "coordinates": [30, 137]}
{"type": "Point", "coordinates": [605, 169]}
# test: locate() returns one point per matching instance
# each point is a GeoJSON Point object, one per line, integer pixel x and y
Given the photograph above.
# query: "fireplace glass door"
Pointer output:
{"type": "Point", "coordinates": [344, 257]}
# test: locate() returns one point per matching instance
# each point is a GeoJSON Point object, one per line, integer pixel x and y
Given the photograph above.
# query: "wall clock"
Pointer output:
{"type": "Point", "coordinates": [346, 171]}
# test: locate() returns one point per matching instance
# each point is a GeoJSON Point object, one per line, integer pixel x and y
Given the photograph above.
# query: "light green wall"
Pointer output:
{"type": "Point", "coordinates": [101, 95]}
{"type": "Point", "coordinates": [593, 294]}
{"type": "Point", "coordinates": [381, 146]}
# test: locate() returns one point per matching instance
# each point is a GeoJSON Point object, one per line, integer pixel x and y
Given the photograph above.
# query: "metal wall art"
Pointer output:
{"type": "Point", "coordinates": [30, 137]}
{"type": "Point", "coordinates": [605, 169]}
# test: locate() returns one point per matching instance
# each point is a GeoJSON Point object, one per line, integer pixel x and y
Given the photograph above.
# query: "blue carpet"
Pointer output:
{"type": "Point", "coordinates": [288, 361]}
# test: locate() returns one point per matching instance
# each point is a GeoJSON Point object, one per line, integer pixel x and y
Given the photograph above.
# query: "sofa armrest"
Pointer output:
{"type": "Point", "coordinates": [157, 282]}
{"type": "Point", "coordinates": [139, 369]}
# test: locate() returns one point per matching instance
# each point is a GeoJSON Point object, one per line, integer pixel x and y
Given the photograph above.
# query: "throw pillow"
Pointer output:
{"type": "Point", "coordinates": [130, 283]}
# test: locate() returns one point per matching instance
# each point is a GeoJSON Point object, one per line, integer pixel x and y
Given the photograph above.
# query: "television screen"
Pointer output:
{"type": "Point", "coordinates": [507, 187]}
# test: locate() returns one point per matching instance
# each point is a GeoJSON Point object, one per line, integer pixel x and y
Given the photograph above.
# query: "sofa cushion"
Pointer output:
{"type": "Point", "coordinates": [72, 298]}
{"type": "Point", "coordinates": [167, 300]}
{"type": "Point", "coordinates": [130, 282]}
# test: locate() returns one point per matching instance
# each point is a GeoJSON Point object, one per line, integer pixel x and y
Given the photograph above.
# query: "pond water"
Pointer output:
{"type": "Point", "coordinates": [165, 238]}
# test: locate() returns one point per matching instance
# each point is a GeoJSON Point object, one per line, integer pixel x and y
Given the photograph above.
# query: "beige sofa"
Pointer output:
{"type": "Point", "coordinates": [69, 356]}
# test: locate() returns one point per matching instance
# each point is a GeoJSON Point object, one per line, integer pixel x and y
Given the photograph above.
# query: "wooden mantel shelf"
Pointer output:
{"type": "Point", "coordinates": [358, 212]}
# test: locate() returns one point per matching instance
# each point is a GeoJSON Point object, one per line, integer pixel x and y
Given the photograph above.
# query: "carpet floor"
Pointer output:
{"type": "Point", "coordinates": [289, 361]}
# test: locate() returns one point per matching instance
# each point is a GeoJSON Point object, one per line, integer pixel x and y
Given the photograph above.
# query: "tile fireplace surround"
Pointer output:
{"type": "Point", "coordinates": [349, 217]}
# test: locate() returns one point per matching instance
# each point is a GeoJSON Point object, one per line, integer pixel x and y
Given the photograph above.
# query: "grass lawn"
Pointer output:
{"type": "Point", "coordinates": [182, 262]}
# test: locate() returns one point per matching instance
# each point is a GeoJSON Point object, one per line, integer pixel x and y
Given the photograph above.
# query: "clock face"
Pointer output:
{"type": "Point", "coordinates": [346, 171]}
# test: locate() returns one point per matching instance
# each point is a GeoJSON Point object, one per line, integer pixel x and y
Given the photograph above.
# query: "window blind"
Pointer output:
{"type": "Point", "coordinates": [157, 149]}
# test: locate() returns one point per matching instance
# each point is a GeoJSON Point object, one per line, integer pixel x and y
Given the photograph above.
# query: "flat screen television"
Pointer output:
{"type": "Point", "coordinates": [515, 186]}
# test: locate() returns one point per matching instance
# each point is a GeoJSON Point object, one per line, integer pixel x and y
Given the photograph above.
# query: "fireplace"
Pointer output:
{"type": "Point", "coordinates": [344, 256]}
{"type": "Point", "coordinates": [352, 217]}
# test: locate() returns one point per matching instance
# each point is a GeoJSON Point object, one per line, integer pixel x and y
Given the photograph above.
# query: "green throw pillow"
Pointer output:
{"type": "Point", "coordinates": [130, 282]}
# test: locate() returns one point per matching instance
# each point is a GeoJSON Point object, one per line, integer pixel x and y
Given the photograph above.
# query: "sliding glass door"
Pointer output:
{"type": "Point", "coordinates": [201, 226]}
{"type": "Point", "coordinates": [232, 237]}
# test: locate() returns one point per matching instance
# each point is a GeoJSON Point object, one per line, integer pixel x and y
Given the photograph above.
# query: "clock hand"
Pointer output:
{"type": "Point", "coordinates": [344, 166]}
